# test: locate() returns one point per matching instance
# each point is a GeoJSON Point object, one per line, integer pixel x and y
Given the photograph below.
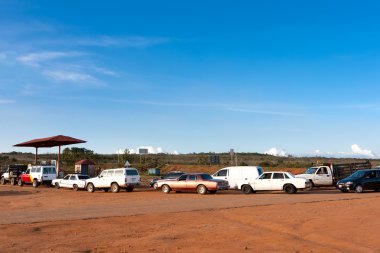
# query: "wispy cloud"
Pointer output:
{"type": "Point", "coordinates": [70, 76]}
{"type": "Point", "coordinates": [356, 152]}
{"type": "Point", "coordinates": [6, 101]}
{"type": "Point", "coordinates": [267, 112]}
{"type": "Point", "coordinates": [104, 71]}
{"type": "Point", "coordinates": [3, 57]}
{"type": "Point", "coordinates": [130, 41]}
{"type": "Point", "coordinates": [35, 59]}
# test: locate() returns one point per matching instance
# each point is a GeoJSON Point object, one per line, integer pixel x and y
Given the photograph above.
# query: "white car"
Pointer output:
{"type": "Point", "coordinates": [238, 175]}
{"type": "Point", "coordinates": [37, 175]}
{"type": "Point", "coordinates": [114, 179]}
{"type": "Point", "coordinates": [73, 181]}
{"type": "Point", "coordinates": [276, 181]}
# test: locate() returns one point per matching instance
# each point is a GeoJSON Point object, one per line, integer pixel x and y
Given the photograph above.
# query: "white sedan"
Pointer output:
{"type": "Point", "coordinates": [73, 181]}
{"type": "Point", "coordinates": [276, 181]}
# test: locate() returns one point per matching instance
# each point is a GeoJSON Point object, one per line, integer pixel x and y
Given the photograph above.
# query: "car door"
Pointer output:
{"type": "Point", "coordinates": [369, 182]}
{"type": "Point", "coordinates": [179, 184]}
{"type": "Point", "coordinates": [191, 183]}
{"type": "Point", "coordinates": [278, 181]}
{"type": "Point", "coordinates": [64, 181]}
{"type": "Point", "coordinates": [221, 174]}
{"type": "Point", "coordinates": [264, 182]}
{"type": "Point", "coordinates": [26, 177]}
{"type": "Point", "coordinates": [323, 176]}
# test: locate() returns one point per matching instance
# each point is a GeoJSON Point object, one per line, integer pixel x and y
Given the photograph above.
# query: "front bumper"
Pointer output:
{"type": "Point", "coordinates": [344, 187]}
{"type": "Point", "coordinates": [222, 187]}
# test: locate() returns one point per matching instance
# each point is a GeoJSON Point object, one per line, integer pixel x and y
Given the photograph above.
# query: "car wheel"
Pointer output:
{"type": "Point", "coordinates": [13, 181]}
{"type": "Point", "coordinates": [359, 189]}
{"type": "Point", "coordinates": [75, 187]}
{"type": "Point", "coordinates": [165, 188]}
{"type": "Point", "coordinates": [129, 189]}
{"type": "Point", "coordinates": [290, 189]}
{"type": "Point", "coordinates": [90, 187]}
{"type": "Point", "coordinates": [155, 186]}
{"type": "Point", "coordinates": [57, 186]}
{"type": "Point", "coordinates": [2, 181]}
{"type": "Point", "coordinates": [115, 187]}
{"type": "Point", "coordinates": [246, 189]}
{"type": "Point", "coordinates": [345, 191]}
{"type": "Point", "coordinates": [201, 189]}
{"type": "Point", "coordinates": [20, 182]}
{"type": "Point", "coordinates": [212, 192]}
{"type": "Point", "coordinates": [35, 183]}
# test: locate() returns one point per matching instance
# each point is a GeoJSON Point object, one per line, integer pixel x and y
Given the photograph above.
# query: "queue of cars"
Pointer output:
{"type": "Point", "coordinates": [248, 179]}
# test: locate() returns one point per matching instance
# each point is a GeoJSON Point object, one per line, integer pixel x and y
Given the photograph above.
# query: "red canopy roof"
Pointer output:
{"type": "Point", "coordinates": [59, 140]}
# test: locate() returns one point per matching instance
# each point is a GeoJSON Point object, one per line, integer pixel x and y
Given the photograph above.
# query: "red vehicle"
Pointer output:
{"type": "Point", "coordinates": [195, 182]}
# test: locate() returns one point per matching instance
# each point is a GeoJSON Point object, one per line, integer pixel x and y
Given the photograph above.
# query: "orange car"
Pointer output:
{"type": "Point", "coordinates": [196, 182]}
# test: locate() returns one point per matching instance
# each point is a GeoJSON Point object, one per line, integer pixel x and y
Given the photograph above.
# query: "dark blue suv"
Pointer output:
{"type": "Point", "coordinates": [360, 181]}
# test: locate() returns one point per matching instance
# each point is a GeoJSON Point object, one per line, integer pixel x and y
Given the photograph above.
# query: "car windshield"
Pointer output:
{"type": "Point", "coordinates": [290, 175]}
{"type": "Point", "coordinates": [132, 172]}
{"type": "Point", "coordinates": [206, 176]}
{"type": "Point", "coordinates": [311, 170]}
{"type": "Point", "coordinates": [358, 174]}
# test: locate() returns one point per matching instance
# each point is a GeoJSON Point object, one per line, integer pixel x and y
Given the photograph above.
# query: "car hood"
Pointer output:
{"type": "Point", "coordinates": [348, 179]}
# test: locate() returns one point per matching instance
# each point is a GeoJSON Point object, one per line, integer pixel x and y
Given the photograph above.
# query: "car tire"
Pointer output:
{"type": "Point", "coordinates": [75, 187]}
{"type": "Point", "coordinates": [201, 189]}
{"type": "Point", "coordinates": [246, 189]}
{"type": "Point", "coordinates": [13, 181]}
{"type": "Point", "coordinates": [129, 189]}
{"type": "Point", "coordinates": [2, 181]}
{"type": "Point", "coordinates": [155, 186]}
{"type": "Point", "coordinates": [57, 186]}
{"type": "Point", "coordinates": [115, 188]}
{"type": "Point", "coordinates": [20, 182]}
{"type": "Point", "coordinates": [359, 189]}
{"type": "Point", "coordinates": [35, 183]}
{"type": "Point", "coordinates": [212, 192]}
{"type": "Point", "coordinates": [90, 187]}
{"type": "Point", "coordinates": [290, 189]}
{"type": "Point", "coordinates": [165, 188]}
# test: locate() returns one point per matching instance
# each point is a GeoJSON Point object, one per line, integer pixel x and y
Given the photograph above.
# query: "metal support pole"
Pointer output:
{"type": "Point", "coordinates": [35, 157]}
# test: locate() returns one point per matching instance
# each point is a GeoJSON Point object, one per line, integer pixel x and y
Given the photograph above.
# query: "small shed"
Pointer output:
{"type": "Point", "coordinates": [85, 167]}
{"type": "Point", "coordinates": [154, 171]}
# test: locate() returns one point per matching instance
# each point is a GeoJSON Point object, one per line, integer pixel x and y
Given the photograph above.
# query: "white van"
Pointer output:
{"type": "Point", "coordinates": [114, 179]}
{"type": "Point", "coordinates": [238, 175]}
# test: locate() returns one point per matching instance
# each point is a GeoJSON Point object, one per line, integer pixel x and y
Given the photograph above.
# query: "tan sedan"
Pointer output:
{"type": "Point", "coordinates": [194, 182]}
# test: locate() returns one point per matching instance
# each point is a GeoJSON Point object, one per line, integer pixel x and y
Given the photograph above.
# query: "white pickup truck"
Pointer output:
{"type": "Point", "coordinates": [329, 174]}
{"type": "Point", "coordinates": [276, 181]}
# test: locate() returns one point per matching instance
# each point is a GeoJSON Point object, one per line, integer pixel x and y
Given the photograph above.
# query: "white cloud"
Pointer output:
{"type": "Point", "coordinates": [69, 76]}
{"type": "Point", "coordinates": [3, 57]}
{"type": "Point", "coordinates": [357, 150]}
{"type": "Point", "coordinates": [132, 41]}
{"type": "Point", "coordinates": [34, 59]}
{"type": "Point", "coordinates": [277, 152]}
{"type": "Point", "coordinates": [6, 101]}
{"type": "Point", "coordinates": [151, 150]}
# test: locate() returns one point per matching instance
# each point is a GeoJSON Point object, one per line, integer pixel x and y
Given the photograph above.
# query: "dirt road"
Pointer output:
{"type": "Point", "coordinates": [50, 220]}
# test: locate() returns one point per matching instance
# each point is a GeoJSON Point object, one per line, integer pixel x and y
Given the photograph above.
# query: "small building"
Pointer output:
{"type": "Point", "coordinates": [85, 167]}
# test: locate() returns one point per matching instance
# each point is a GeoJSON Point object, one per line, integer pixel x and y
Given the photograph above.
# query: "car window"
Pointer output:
{"type": "Point", "coordinates": [119, 172]}
{"type": "Point", "coordinates": [222, 173]}
{"type": "Point", "coordinates": [378, 173]}
{"type": "Point", "coordinates": [38, 170]}
{"type": "Point", "coordinates": [206, 176]}
{"type": "Point", "coordinates": [182, 178]}
{"type": "Point", "coordinates": [104, 173]}
{"type": "Point", "coordinates": [192, 178]}
{"type": "Point", "coordinates": [33, 170]}
{"type": "Point", "coordinates": [110, 173]}
{"type": "Point", "coordinates": [84, 177]}
{"type": "Point", "coordinates": [66, 177]}
{"type": "Point", "coordinates": [266, 176]}
{"type": "Point", "coordinates": [52, 170]}
{"type": "Point", "coordinates": [45, 170]}
{"type": "Point", "coordinates": [286, 176]}
{"type": "Point", "coordinates": [27, 171]}
{"type": "Point", "coordinates": [73, 178]}
{"type": "Point", "coordinates": [132, 172]}
{"type": "Point", "coordinates": [278, 175]}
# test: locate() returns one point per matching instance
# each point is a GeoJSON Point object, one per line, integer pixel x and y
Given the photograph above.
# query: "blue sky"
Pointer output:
{"type": "Point", "coordinates": [192, 76]}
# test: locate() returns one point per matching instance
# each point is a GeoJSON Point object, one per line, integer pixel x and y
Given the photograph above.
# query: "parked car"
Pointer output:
{"type": "Point", "coordinates": [276, 181]}
{"type": "Point", "coordinates": [73, 181]}
{"type": "Point", "coordinates": [37, 175]}
{"type": "Point", "coordinates": [361, 181]}
{"type": "Point", "coordinates": [170, 175]}
{"type": "Point", "coordinates": [195, 182]}
{"type": "Point", "coordinates": [12, 173]}
{"type": "Point", "coordinates": [114, 179]}
{"type": "Point", "coordinates": [238, 175]}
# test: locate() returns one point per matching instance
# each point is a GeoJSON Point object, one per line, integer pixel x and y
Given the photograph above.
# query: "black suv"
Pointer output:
{"type": "Point", "coordinates": [12, 173]}
{"type": "Point", "coordinates": [360, 181]}
{"type": "Point", "coordinates": [170, 175]}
